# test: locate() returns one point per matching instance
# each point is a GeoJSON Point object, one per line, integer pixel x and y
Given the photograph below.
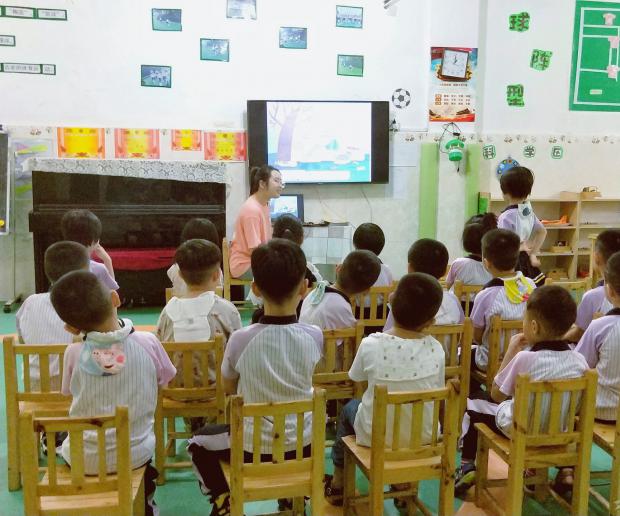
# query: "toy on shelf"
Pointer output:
{"type": "Point", "coordinates": [562, 221]}
{"type": "Point", "coordinates": [590, 192]}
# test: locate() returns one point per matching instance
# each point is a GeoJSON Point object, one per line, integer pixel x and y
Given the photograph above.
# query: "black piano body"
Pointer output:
{"type": "Point", "coordinates": [135, 213]}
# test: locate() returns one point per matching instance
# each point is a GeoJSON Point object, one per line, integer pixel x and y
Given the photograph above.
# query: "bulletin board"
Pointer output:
{"type": "Point", "coordinates": [595, 77]}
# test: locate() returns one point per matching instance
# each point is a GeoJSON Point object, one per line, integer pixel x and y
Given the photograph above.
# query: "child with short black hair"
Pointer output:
{"type": "Point", "coordinates": [194, 228]}
{"type": "Point", "coordinates": [470, 269]}
{"type": "Point", "coordinates": [539, 351]}
{"type": "Point", "coordinates": [404, 358]}
{"type": "Point", "coordinates": [271, 361]}
{"type": "Point", "coordinates": [329, 307]}
{"type": "Point", "coordinates": [114, 365]}
{"type": "Point", "coordinates": [518, 217]}
{"type": "Point", "coordinates": [505, 295]}
{"type": "Point", "coordinates": [595, 300]}
{"type": "Point", "coordinates": [36, 320]}
{"type": "Point", "coordinates": [84, 227]}
{"type": "Point", "coordinates": [431, 257]}
{"type": "Point", "coordinates": [200, 313]}
{"type": "Point", "coordinates": [600, 345]}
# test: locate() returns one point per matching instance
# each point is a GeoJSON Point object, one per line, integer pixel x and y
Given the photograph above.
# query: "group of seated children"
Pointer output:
{"type": "Point", "coordinates": [273, 359]}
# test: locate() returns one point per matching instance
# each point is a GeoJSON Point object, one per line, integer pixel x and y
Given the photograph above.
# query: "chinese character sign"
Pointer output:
{"type": "Point", "coordinates": [81, 142]}
{"type": "Point", "coordinates": [488, 152]}
{"type": "Point", "coordinates": [514, 95]}
{"type": "Point", "coordinates": [229, 146]}
{"type": "Point", "coordinates": [136, 143]}
{"type": "Point", "coordinates": [540, 59]}
{"type": "Point", "coordinates": [519, 22]}
{"type": "Point", "coordinates": [557, 152]}
{"type": "Point", "coordinates": [186, 140]}
{"type": "Point", "coordinates": [529, 151]}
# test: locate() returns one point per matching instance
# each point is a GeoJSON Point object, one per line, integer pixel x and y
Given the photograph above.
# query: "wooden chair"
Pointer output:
{"type": "Point", "coordinates": [46, 401]}
{"type": "Point", "coordinates": [576, 288]}
{"type": "Point", "coordinates": [378, 312]}
{"type": "Point", "coordinates": [407, 462]}
{"type": "Point", "coordinates": [465, 293]}
{"type": "Point", "coordinates": [607, 437]}
{"type": "Point", "coordinates": [187, 396]}
{"type": "Point", "coordinates": [500, 333]}
{"type": "Point", "coordinates": [442, 280]}
{"type": "Point", "coordinates": [456, 340]}
{"type": "Point", "coordinates": [332, 373]}
{"type": "Point", "coordinates": [67, 491]}
{"type": "Point", "coordinates": [228, 279]}
{"type": "Point", "coordinates": [593, 273]}
{"type": "Point", "coordinates": [169, 293]}
{"type": "Point", "coordinates": [539, 444]}
{"type": "Point", "coordinates": [280, 477]}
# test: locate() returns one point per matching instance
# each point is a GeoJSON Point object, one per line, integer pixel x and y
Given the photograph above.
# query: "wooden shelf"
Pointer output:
{"type": "Point", "coordinates": [559, 227]}
{"type": "Point", "coordinates": [600, 226]}
{"type": "Point", "coordinates": [601, 199]}
{"type": "Point", "coordinates": [549, 253]}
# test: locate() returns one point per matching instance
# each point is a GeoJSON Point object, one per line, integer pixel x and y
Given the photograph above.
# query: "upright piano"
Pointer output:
{"type": "Point", "coordinates": [139, 216]}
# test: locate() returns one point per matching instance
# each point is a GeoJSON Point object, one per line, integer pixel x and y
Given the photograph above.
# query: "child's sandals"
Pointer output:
{"type": "Point", "coordinates": [333, 495]}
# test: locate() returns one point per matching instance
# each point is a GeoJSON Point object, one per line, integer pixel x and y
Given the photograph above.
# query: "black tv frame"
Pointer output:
{"type": "Point", "coordinates": [300, 206]}
{"type": "Point", "coordinates": [380, 122]}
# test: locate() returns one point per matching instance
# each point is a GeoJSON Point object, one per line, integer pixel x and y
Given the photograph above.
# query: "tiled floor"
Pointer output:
{"type": "Point", "coordinates": [181, 496]}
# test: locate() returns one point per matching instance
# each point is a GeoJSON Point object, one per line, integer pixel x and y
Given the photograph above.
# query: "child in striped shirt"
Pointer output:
{"type": "Point", "coordinates": [594, 300]}
{"type": "Point", "coordinates": [36, 320]}
{"type": "Point", "coordinates": [114, 365]}
{"type": "Point", "coordinates": [270, 361]}
{"type": "Point", "coordinates": [600, 345]}
{"type": "Point", "coordinates": [84, 226]}
{"type": "Point", "coordinates": [539, 351]}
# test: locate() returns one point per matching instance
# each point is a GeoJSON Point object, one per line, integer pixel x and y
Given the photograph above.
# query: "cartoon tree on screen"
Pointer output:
{"type": "Point", "coordinates": [285, 116]}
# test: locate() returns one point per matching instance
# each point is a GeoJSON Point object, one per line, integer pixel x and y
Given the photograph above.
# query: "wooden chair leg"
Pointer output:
{"type": "Point", "coordinates": [171, 444]}
{"type": "Point", "coordinates": [375, 492]}
{"type": "Point", "coordinates": [446, 493]}
{"type": "Point", "coordinates": [139, 502]}
{"type": "Point", "coordinates": [349, 481]}
{"type": "Point", "coordinates": [160, 448]}
{"type": "Point", "coordinates": [581, 484]}
{"type": "Point", "coordinates": [541, 486]}
{"type": "Point", "coordinates": [298, 506]}
{"type": "Point", "coordinates": [514, 486]}
{"type": "Point", "coordinates": [614, 492]}
{"type": "Point", "coordinates": [482, 470]}
{"type": "Point", "coordinates": [12, 452]}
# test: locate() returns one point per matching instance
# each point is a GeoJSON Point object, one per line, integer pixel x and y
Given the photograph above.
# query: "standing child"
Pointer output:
{"type": "Point", "coordinates": [505, 295]}
{"type": "Point", "coordinates": [194, 228]}
{"type": "Point", "coordinates": [431, 257]}
{"type": "Point", "coordinates": [115, 365]}
{"type": "Point", "coordinates": [539, 351]}
{"type": "Point", "coordinates": [404, 358]}
{"type": "Point", "coordinates": [470, 269]}
{"type": "Point", "coordinates": [600, 345]}
{"type": "Point", "coordinates": [271, 361]}
{"type": "Point", "coordinates": [329, 307]}
{"type": "Point", "coordinates": [594, 300]}
{"type": "Point", "coordinates": [518, 217]}
{"type": "Point", "coordinates": [84, 226]}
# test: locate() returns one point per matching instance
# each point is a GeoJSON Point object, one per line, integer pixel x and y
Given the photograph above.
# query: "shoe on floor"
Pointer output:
{"type": "Point", "coordinates": [465, 478]}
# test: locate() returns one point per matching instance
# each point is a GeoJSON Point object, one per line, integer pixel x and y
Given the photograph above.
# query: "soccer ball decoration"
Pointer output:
{"type": "Point", "coordinates": [505, 165]}
{"type": "Point", "coordinates": [401, 98]}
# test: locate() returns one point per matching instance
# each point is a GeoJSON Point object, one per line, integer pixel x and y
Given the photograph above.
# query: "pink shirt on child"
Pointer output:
{"type": "Point", "coordinates": [252, 228]}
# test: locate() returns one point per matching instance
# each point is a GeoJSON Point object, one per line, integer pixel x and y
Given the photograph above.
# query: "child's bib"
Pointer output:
{"type": "Point", "coordinates": [190, 317]}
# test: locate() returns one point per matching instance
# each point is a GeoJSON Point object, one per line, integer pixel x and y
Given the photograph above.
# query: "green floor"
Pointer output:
{"type": "Point", "coordinates": [181, 496]}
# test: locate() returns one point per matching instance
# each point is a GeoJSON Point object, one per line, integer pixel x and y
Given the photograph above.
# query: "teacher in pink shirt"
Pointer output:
{"type": "Point", "coordinates": [253, 224]}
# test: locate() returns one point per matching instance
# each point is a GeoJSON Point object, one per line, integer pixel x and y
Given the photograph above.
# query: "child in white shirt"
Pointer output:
{"type": "Point", "coordinates": [404, 358]}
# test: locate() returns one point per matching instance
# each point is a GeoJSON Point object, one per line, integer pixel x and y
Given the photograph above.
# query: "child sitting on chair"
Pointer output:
{"type": "Point", "coordinates": [431, 257]}
{"type": "Point", "coordinates": [329, 307]}
{"type": "Point", "coordinates": [194, 228]}
{"type": "Point", "coordinates": [595, 300]}
{"type": "Point", "coordinates": [200, 313]}
{"type": "Point", "coordinates": [115, 365]}
{"type": "Point", "coordinates": [84, 227]}
{"type": "Point", "coordinates": [271, 361]}
{"type": "Point", "coordinates": [470, 269]}
{"type": "Point", "coordinates": [539, 351]}
{"type": "Point", "coordinates": [505, 295]}
{"type": "Point", "coordinates": [404, 358]}
{"type": "Point", "coordinates": [600, 345]}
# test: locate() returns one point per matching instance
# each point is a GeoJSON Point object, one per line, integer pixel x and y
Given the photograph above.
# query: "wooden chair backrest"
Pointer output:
{"type": "Point", "coordinates": [442, 280]}
{"type": "Point", "coordinates": [52, 485]}
{"type": "Point", "coordinates": [340, 347]}
{"type": "Point", "coordinates": [456, 340]}
{"type": "Point", "coordinates": [44, 352]}
{"type": "Point", "coordinates": [561, 401]}
{"type": "Point", "coordinates": [378, 311]}
{"type": "Point", "coordinates": [276, 413]}
{"type": "Point", "coordinates": [592, 270]}
{"type": "Point", "coordinates": [464, 293]}
{"type": "Point", "coordinates": [576, 288]}
{"type": "Point", "coordinates": [413, 447]}
{"type": "Point", "coordinates": [219, 291]}
{"type": "Point", "coordinates": [500, 333]}
{"type": "Point", "coordinates": [185, 386]}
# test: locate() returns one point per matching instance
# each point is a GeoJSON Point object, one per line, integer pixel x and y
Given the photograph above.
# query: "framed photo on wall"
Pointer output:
{"type": "Point", "coordinates": [156, 76]}
{"type": "Point", "coordinates": [214, 49]}
{"type": "Point", "coordinates": [352, 66]}
{"type": "Point", "coordinates": [166, 19]}
{"type": "Point", "coordinates": [349, 17]}
{"type": "Point", "coordinates": [294, 37]}
{"type": "Point", "coordinates": [241, 9]}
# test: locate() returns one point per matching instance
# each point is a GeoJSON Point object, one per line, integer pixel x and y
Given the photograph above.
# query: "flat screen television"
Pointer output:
{"type": "Point", "coordinates": [287, 203]}
{"type": "Point", "coordinates": [320, 141]}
